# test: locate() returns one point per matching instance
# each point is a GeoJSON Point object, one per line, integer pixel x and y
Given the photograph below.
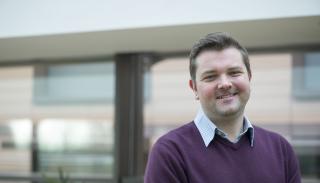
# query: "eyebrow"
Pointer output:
{"type": "Point", "coordinates": [236, 68]}
{"type": "Point", "coordinates": [208, 72]}
{"type": "Point", "coordinates": [214, 72]}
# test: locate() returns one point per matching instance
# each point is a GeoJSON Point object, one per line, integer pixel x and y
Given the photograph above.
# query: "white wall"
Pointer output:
{"type": "Point", "coordinates": [43, 17]}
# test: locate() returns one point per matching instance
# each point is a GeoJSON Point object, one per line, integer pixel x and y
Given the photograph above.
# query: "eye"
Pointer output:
{"type": "Point", "coordinates": [235, 73]}
{"type": "Point", "coordinates": [209, 77]}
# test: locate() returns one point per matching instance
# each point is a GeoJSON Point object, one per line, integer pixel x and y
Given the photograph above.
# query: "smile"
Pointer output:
{"type": "Point", "coordinates": [226, 95]}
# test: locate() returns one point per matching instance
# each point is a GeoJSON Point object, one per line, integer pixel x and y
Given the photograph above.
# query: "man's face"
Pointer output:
{"type": "Point", "coordinates": [222, 83]}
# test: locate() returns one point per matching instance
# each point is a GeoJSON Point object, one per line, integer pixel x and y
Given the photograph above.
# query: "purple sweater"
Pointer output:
{"type": "Point", "coordinates": [182, 157]}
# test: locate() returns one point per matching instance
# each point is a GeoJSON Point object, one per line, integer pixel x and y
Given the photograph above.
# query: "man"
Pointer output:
{"type": "Point", "coordinates": [221, 145]}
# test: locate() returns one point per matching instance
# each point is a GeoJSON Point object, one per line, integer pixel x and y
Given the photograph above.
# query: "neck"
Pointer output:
{"type": "Point", "coordinates": [231, 125]}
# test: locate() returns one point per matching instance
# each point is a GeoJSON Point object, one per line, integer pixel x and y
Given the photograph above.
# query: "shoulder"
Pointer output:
{"type": "Point", "coordinates": [279, 147]}
{"type": "Point", "coordinates": [271, 139]}
{"type": "Point", "coordinates": [273, 143]}
{"type": "Point", "coordinates": [179, 133]}
{"type": "Point", "coordinates": [178, 137]}
{"type": "Point", "coordinates": [264, 134]}
{"type": "Point", "coordinates": [166, 158]}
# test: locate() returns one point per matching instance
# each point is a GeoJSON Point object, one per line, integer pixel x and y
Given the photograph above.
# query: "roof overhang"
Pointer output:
{"type": "Point", "coordinates": [301, 32]}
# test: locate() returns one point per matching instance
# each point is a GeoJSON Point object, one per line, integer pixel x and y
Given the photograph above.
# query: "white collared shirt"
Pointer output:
{"type": "Point", "coordinates": [208, 129]}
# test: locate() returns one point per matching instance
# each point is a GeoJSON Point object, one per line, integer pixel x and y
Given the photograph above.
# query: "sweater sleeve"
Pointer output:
{"type": "Point", "coordinates": [165, 165]}
{"type": "Point", "coordinates": [292, 165]}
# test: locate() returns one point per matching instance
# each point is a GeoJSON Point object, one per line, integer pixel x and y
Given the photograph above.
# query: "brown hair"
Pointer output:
{"type": "Point", "coordinates": [216, 41]}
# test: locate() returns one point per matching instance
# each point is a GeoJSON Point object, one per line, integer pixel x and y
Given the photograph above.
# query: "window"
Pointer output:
{"type": "Point", "coordinates": [306, 74]}
{"type": "Point", "coordinates": [58, 116]}
{"type": "Point", "coordinates": [90, 82]}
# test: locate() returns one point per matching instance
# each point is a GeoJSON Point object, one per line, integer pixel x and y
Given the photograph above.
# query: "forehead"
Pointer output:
{"type": "Point", "coordinates": [211, 59]}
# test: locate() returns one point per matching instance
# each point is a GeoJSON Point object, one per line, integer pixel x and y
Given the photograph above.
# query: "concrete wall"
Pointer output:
{"type": "Point", "coordinates": [38, 17]}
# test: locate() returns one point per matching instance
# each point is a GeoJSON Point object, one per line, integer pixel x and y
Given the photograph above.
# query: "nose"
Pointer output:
{"type": "Point", "coordinates": [224, 83]}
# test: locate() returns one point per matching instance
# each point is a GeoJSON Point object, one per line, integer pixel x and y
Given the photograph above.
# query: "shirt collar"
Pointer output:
{"type": "Point", "coordinates": [208, 129]}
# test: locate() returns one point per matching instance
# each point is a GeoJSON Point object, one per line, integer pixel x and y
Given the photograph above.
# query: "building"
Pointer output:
{"type": "Point", "coordinates": [89, 86]}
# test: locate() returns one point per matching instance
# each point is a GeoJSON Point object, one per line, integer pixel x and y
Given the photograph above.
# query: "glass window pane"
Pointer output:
{"type": "Point", "coordinates": [74, 83]}
{"type": "Point", "coordinates": [76, 145]}
{"type": "Point", "coordinates": [15, 154]}
{"type": "Point", "coordinates": [60, 118]}
{"type": "Point", "coordinates": [312, 71]}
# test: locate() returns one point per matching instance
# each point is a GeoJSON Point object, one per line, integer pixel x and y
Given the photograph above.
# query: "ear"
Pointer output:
{"type": "Point", "coordinates": [193, 87]}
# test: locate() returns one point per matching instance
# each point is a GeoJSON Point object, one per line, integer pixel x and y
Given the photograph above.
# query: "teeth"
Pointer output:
{"type": "Point", "coordinates": [226, 96]}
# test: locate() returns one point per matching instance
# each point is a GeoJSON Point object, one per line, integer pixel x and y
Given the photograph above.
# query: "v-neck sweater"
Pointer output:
{"type": "Point", "coordinates": [181, 156]}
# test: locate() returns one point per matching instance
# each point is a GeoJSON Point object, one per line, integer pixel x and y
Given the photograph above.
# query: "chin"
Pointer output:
{"type": "Point", "coordinates": [229, 112]}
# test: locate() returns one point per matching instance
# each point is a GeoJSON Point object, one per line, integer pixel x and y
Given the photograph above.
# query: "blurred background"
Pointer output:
{"type": "Point", "coordinates": [87, 87]}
